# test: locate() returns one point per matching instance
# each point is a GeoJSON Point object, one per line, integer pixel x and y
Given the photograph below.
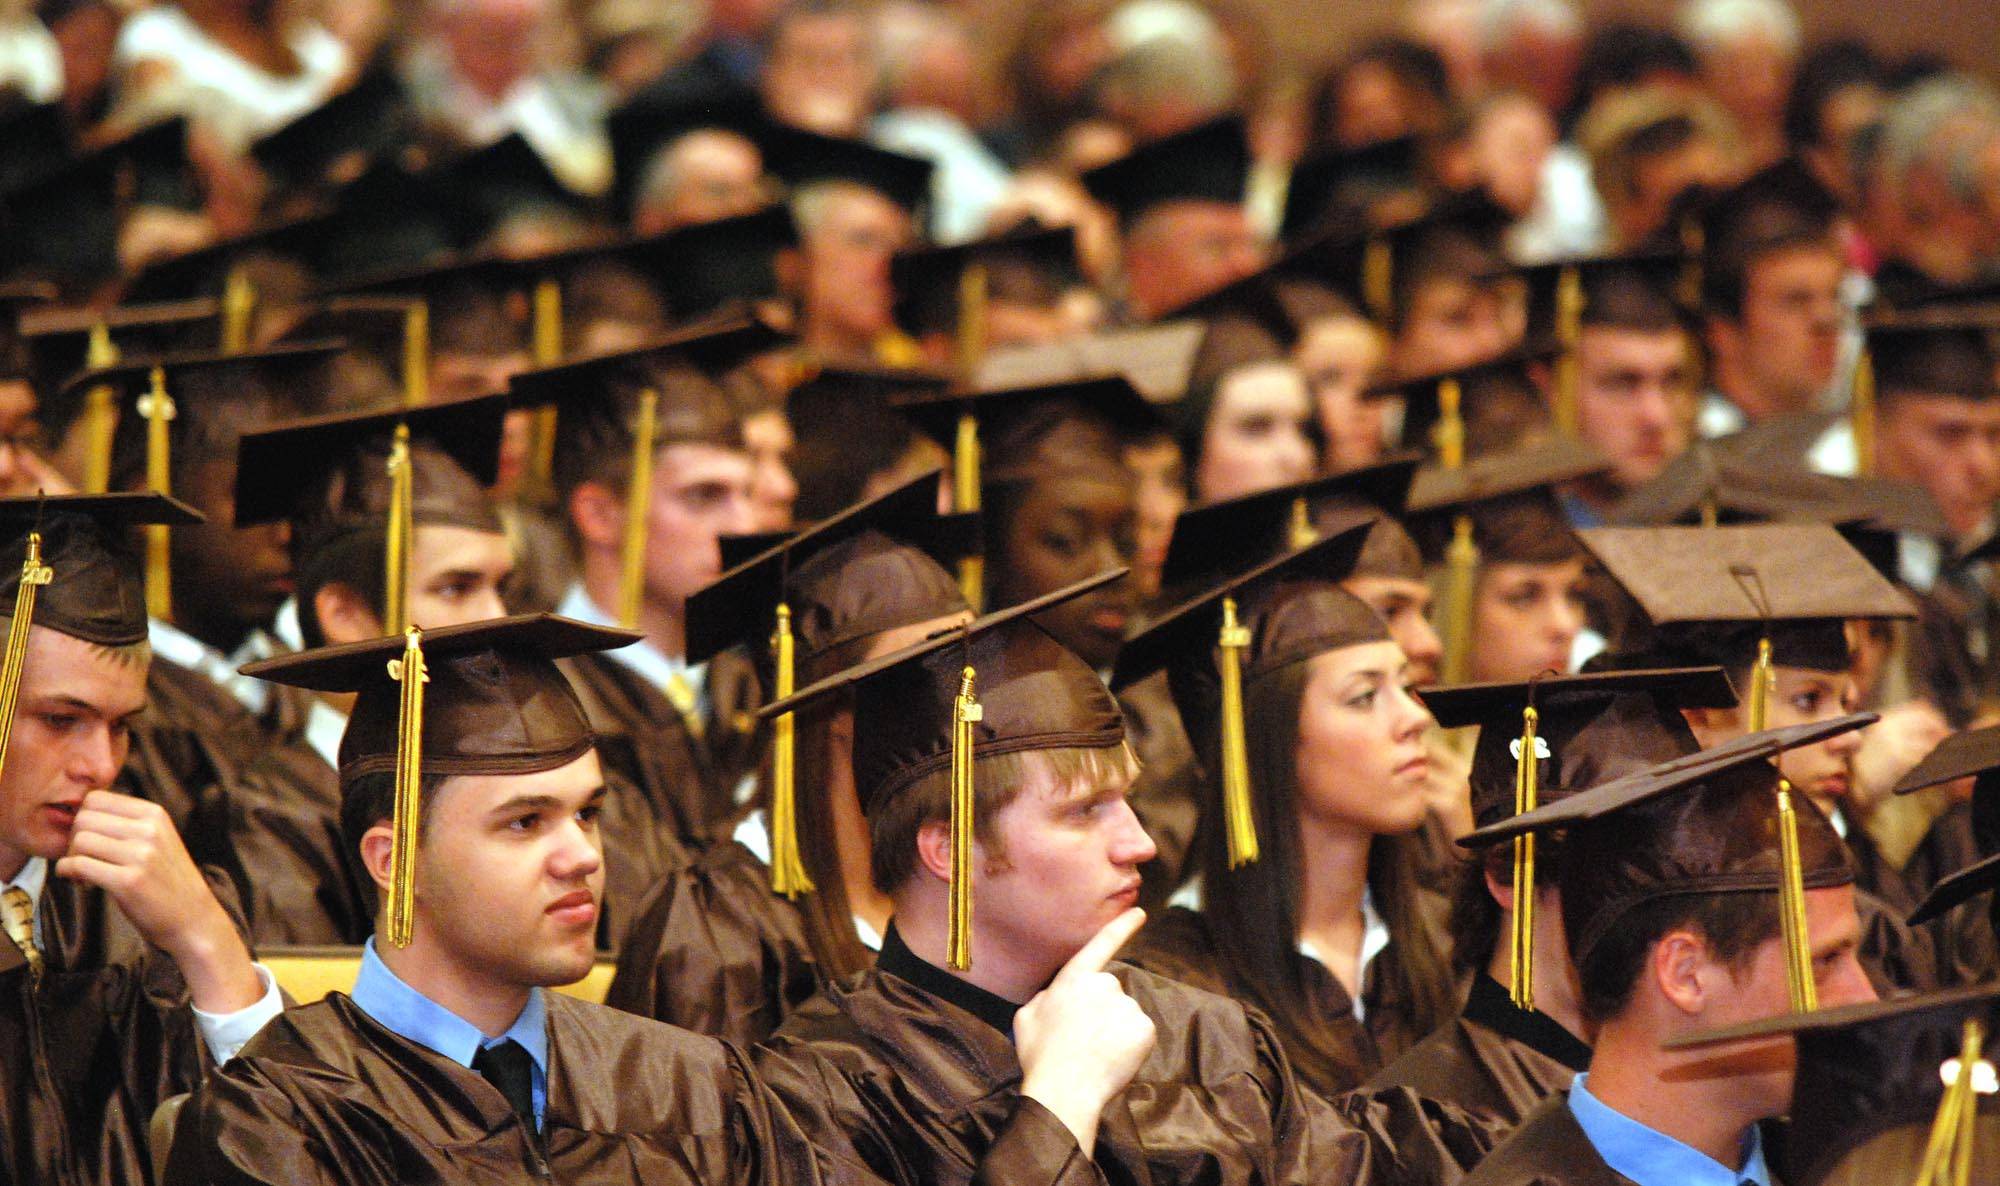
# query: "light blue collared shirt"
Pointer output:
{"type": "Point", "coordinates": [382, 995]}
{"type": "Point", "coordinates": [1652, 1158]}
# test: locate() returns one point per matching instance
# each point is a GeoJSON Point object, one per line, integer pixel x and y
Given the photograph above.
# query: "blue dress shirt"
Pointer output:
{"type": "Point", "coordinates": [1653, 1158]}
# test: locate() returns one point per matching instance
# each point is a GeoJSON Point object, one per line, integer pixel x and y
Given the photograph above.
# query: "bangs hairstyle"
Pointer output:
{"type": "Point", "coordinates": [997, 781]}
{"type": "Point", "coordinates": [130, 655]}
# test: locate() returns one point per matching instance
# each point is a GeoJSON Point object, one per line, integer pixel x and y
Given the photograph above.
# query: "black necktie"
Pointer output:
{"type": "Point", "coordinates": [508, 1067]}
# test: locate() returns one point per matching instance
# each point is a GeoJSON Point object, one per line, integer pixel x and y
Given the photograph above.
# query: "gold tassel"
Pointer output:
{"type": "Point", "coordinates": [1791, 872]}
{"type": "Point", "coordinates": [100, 413]}
{"type": "Point", "coordinates": [1449, 435]}
{"type": "Point", "coordinates": [1300, 532]}
{"type": "Point", "coordinates": [1948, 1155]}
{"type": "Point", "coordinates": [239, 309]}
{"type": "Point", "coordinates": [965, 497]}
{"type": "Point", "coordinates": [1527, 792]}
{"type": "Point", "coordinates": [972, 299]}
{"type": "Point", "coordinates": [417, 355]}
{"type": "Point", "coordinates": [396, 552]}
{"type": "Point", "coordinates": [548, 351]}
{"type": "Point", "coordinates": [1377, 279]}
{"type": "Point", "coordinates": [1861, 413]}
{"type": "Point", "coordinates": [158, 409]}
{"type": "Point", "coordinates": [1238, 815]}
{"type": "Point", "coordinates": [965, 713]}
{"type": "Point", "coordinates": [410, 673]}
{"type": "Point", "coordinates": [34, 574]}
{"type": "Point", "coordinates": [638, 499]}
{"type": "Point", "coordinates": [788, 871]}
{"type": "Point", "coordinates": [1569, 327]}
{"type": "Point", "coordinates": [1461, 566]}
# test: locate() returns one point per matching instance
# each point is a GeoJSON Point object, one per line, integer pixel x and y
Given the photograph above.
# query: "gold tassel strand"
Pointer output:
{"type": "Point", "coordinates": [1239, 818]}
{"type": "Point", "coordinates": [1803, 991]}
{"type": "Point", "coordinates": [1861, 414]}
{"type": "Point", "coordinates": [158, 409]}
{"type": "Point", "coordinates": [396, 550]}
{"type": "Point", "coordinates": [1527, 792]}
{"type": "Point", "coordinates": [1948, 1154]}
{"type": "Point", "coordinates": [100, 413]}
{"type": "Point", "coordinates": [1377, 279]}
{"type": "Point", "coordinates": [410, 673]}
{"type": "Point", "coordinates": [239, 309]}
{"type": "Point", "coordinates": [1300, 532]}
{"type": "Point", "coordinates": [417, 355]}
{"type": "Point", "coordinates": [1461, 556]}
{"type": "Point", "coordinates": [965, 713]}
{"type": "Point", "coordinates": [548, 350]}
{"type": "Point", "coordinates": [1569, 327]}
{"type": "Point", "coordinates": [965, 498]}
{"type": "Point", "coordinates": [34, 574]}
{"type": "Point", "coordinates": [638, 498]}
{"type": "Point", "coordinates": [788, 871]}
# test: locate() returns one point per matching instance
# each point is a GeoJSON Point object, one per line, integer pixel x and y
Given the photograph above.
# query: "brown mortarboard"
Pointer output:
{"type": "Point", "coordinates": [1498, 401]}
{"type": "Point", "coordinates": [1267, 615]}
{"type": "Point", "coordinates": [1873, 1096]}
{"type": "Point", "coordinates": [803, 158]}
{"type": "Point", "coordinates": [488, 699]}
{"type": "Point", "coordinates": [997, 685]}
{"type": "Point", "coordinates": [1710, 593]}
{"type": "Point", "coordinates": [1973, 753]}
{"type": "Point", "coordinates": [1025, 266]}
{"type": "Point", "coordinates": [355, 485]}
{"type": "Point", "coordinates": [1209, 163]}
{"type": "Point", "coordinates": [1158, 360]}
{"type": "Point", "coordinates": [1274, 521]}
{"type": "Point", "coordinates": [1704, 823]}
{"type": "Point", "coordinates": [1943, 358]}
{"type": "Point", "coordinates": [1698, 484]}
{"type": "Point", "coordinates": [848, 435]}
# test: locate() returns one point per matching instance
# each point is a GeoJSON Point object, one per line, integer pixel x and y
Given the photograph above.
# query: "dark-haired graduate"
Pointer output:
{"type": "Point", "coordinates": [471, 790]}
{"type": "Point", "coordinates": [1305, 901]}
{"type": "Point", "coordinates": [730, 945]}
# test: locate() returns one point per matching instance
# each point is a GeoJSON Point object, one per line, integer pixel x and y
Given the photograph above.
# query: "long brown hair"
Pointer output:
{"type": "Point", "coordinates": [1253, 911]}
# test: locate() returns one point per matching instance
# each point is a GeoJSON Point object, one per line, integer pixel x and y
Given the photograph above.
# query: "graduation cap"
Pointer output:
{"type": "Point", "coordinates": [1974, 753]}
{"type": "Point", "coordinates": [1270, 522]}
{"type": "Point", "coordinates": [1776, 594]}
{"type": "Point", "coordinates": [1334, 186]}
{"type": "Point", "coordinates": [1717, 821]}
{"type": "Point", "coordinates": [935, 285]}
{"type": "Point", "coordinates": [996, 685]}
{"type": "Point", "coordinates": [1887, 1091]}
{"type": "Point", "coordinates": [223, 270]}
{"type": "Point", "coordinates": [390, 332]}
{"type": "Point", "coordinates": [699, 269]}
{"type": "Point", "coordinates": [1208, 163]}
{"type": "Point", "coordinates": [485, 698]}
{"type": "Point", "coordinates": [1458, 238]}
{"type": "Point", "coordinates": [1545, 739]}
{"type": "Point", "coordinates": [1458, 402]}
{"type": "Point", "coordinates": [1699, 487]}
{"type": "Point", "coordinates": [370, 120]}
{"type": "Point", "coordinates": [1265, 617]}
{"type": "Point", "coordinates": [64, 223]}
{"type": "Point", "coordinates": [652, 120]}
{"type": "Point", "coordinates": [1955, 358]}
{"type": "Point", "coordinates": [876, 567]}
{"type": "Point", "coordinates": [197, 404]}
{"type": "Point", "coordinates": [1157, 359]}
{"type": "Point", "coordinates": [16, 301]}
{"type": "Point", "coordinates": [38, 142]}
{"type": "Point", "coordinates": [352, 476]}
{"type": "Point", "coordinates": [803, 158]}
{"type": "Point", "coordinates": [848, 434]}
{"type": "Point", "coordinates": [78, 574]}
{"type": "Point", "coordinates": [491, 184]}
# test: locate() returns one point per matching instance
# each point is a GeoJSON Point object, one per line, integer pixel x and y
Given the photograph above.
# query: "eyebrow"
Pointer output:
{"type": "Point", "coordinates": [543, 802]}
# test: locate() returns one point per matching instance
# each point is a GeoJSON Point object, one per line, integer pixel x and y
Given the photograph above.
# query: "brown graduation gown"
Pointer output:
{"type": "Point", "coordinates": [713, 950]}
{"type": "Point", "coordinates": [326, 1095]}
{"type": "Point", "coordinates": [1493, 1060]}
{"type": "Point", "coordinates": [1549, 1149]}
{"type": "Point", "coordinates": [90, 1051]}
{"type": "Point", "coordinates": [923, 1088]}
{"type": "Point", "coordinates": [644, 738]}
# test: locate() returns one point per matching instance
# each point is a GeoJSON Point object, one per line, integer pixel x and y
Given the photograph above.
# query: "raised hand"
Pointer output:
{"type": "Point", "coordinates": [1081, 1039]}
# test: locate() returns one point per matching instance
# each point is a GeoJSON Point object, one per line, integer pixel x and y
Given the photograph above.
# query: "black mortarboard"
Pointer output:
{"type": "Point", "coordinates": [38, 140]}
{"type": "Point", "coordinates": [1973, 753]}
{"type": "Point", "coordinates": [1158, 359]}
{"type": "Point", "coordinates": [655, 118]}
{"type": "Point", "coordinates": [58, 340]}
{"type": "Point", "coordinates": [1334, 186]}
{"type": "Point", "coordinates": [804, 158]}
{"type": "Point", "coordinates": [64, 223]}
{"type": "Point", "coordinates": [712, 346]}
{"type": "Point", "coordinates": [698, 269]}
{"type": "Point", "coordinates": [1778, 205]}
{"type": "Point", "coordinates": [1630, 291]}
{"type": "Point", "coordinates": [375, 328]}
{"type": "Point", "coordinates": [1029, 432]}
{"type": "Point", "coordinates": [1510, 497]}
{"type": "Point", "coordinates": [1495, 397]}
{"type": "Point", "coordinates": [1458, 238]}
{"type": "Point", "coordinates": [489, 185]}
{"type": "Point", "coordinates": [16, 302]}
{"type": "Point", "coordinates": [1209, 163]}
{"type": "Point", "coordinates": [1023, 266]}
{"type": "Point", "coordinates": [848, 434]}
{"type": "Point", "coordinates": [1942, 358]}
{"type": "Point", "coordinates": [96, 588]}
{"type": "Point", "coordinates": [1870, 1081]}
{"type": "Point", "coordinates": [205, 271]}
{"type": "Point", "coordinates": [368, 121]}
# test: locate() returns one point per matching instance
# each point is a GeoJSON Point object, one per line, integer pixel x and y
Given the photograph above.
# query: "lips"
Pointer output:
{"type": "Point", "coordinates": [578, 908]}
{"type": "Point", "coordinates": [63, 814]}
{"type": "Point", "coordinates": [1128, 895]}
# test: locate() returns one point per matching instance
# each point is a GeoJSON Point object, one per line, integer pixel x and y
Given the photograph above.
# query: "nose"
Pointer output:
{"type": "Point", "coordinates": [1420, 641]}
{"type": "Point", "coordinates": [579, 852]}
{"type": "Point", "coordinates": [1845, 746]}
{"type": "Point", "coordinates": [96, 757]}
{"type": "Point", "coordinates": [1847, 984]}
{"type": "Point", "coordinates": [1131, 846]}
{"type": "Point", "coordinates": [486, 605]}
{"type": "Point", "coordinates": [1415, 718]}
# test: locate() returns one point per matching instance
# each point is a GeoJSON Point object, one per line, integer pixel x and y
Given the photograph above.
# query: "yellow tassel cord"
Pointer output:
{"type": "Point", "coordinates": [1300, 532]}
{"type": "Point", "coordinates": [1461, 557]}
{"type": "Point", "coordinates": [965, 713]}
{"type": "Point", "coordinates": [410, 673]}
{"type": "Point", "coordinates": [1948, 1155]}
{"type": "Point", "coordinates": [965, 497]}
{"type": "Point", "coordinates": [1791, 871]}
{"type": "Point", "coordinates": [34, 574]}
{"type": "Point", "coordinates": [239, 309]}
{"type": "Point", "coordinates": [158, 409]}
{"type": "Point", "coordinates": [100, 412]}
{"type": "Point", "coordinates": [788, 871]}
{"type": "Point", "coordinates": [1861, 414]}
{"type": "Point", "coordinates": [417, 355]}
{"type": "Point", "coordinates": [638, 497]}
{"type": "Point", "coordinates": [1527, 774]}
{"type": "Point", "coordinates": [1569, 327]}
{"type": "Point", "coordinates": [1239, 818]}
{"type": "Point", "coordinates": [1377, 279]}
{"type": "Point", "coordinates": [548, 350]}
{"type": "Point", "coordinates": [396, 553]}
{"type": "Point", "coordinates": [972, 301]}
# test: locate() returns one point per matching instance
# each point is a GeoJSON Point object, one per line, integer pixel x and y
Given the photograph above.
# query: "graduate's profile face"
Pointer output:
{"type": "Point", "coordinates": [1949, 446]}
{"type": "Point", "coordinates": [1525, 617]}
{"type": "Point", "coordinates": [1789, 333]}
{"type": "Point", "coordinates": [700, 493]}
{"type": "Point", "coordinates": [1259, 433]}
{"type": "Point", "coordinates": [773, 489]}
{"type": "Point", "coordinates": [510, 873]}
{"type": "Point", "coordinates": [1067, 528]}
{"type": "Point", "coordinates": [72, 730]}
{"type": "Point", "coordinates": [1361, 761]}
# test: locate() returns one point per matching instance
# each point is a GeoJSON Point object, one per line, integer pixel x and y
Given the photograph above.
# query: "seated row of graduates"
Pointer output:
{"type": "Point", "coordinates": [972, 779]}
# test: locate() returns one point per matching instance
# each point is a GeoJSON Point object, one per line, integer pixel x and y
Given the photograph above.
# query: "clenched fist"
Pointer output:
{"type": "Point", "coordinates": [1082, 1039]}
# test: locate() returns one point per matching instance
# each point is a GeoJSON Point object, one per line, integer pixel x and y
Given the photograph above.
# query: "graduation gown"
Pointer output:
{"type": "Point", "coordinates": [1493, 1061]}
{"type": "Point", "coordinates": [92, 1049]}
{"type": "Point", "coordinates": [918, 1084]}
{"type": "Point", "coordinates": [1549, 1149]}
{"type": "Point", "coordinates": [713, 950]}
{"type": "Point", "coordinates": [326, 1095]}
{"type": "Point", "coordinates": [1963, 936]}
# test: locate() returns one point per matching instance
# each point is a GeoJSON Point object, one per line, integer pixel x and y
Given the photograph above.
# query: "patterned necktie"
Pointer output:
{"type": "Point", "coordinates": [509, 1068]}
{"type": "Point", "coordinates": [17, 911]}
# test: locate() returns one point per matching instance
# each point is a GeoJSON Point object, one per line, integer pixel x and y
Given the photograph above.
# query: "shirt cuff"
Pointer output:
{"type": "Point", "coordinates": [227, 1033]}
